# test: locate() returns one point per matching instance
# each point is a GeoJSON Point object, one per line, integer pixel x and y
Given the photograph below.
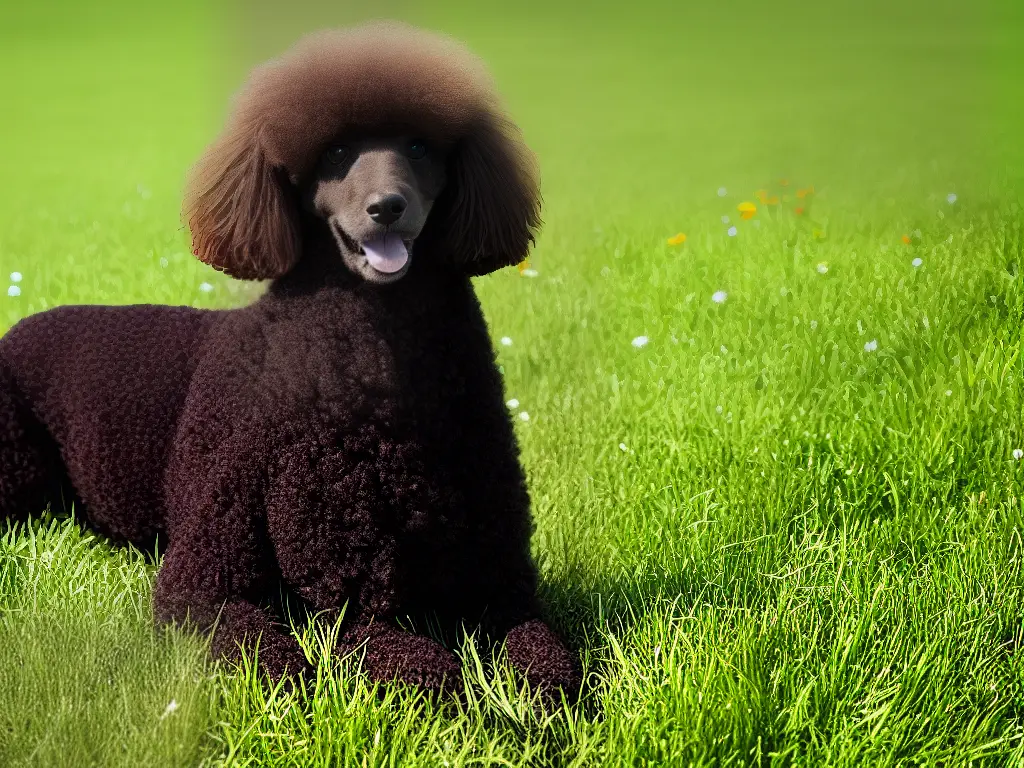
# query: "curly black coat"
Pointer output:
{"type": "Point", "coordinates": [342, 441]}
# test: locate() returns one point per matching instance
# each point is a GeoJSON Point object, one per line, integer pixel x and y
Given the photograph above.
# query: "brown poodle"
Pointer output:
{"type": "Point", "coordinates": [344, 439]}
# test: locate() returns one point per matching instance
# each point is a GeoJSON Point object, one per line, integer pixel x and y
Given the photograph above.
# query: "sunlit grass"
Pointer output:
{"type": "Point", "coordinates": [775, 459]}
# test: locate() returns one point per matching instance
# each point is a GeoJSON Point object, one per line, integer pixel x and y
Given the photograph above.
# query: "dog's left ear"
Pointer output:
{"type": "Point", "coordinates": [487, 216]}
{"type": "Point", "coordinates": [238, 207]}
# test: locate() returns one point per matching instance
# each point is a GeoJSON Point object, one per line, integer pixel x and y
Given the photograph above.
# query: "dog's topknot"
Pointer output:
{"type": "Point", "coordinates": [378, 75]}
{"type": "Point", "coordinates": [372, 75]}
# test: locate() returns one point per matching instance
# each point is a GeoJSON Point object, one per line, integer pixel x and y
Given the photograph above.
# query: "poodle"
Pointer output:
{"type": "Point", "coordinates": [342, 440]}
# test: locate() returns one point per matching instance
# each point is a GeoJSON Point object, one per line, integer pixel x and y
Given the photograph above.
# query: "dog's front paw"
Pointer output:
{"type": "Point", "coordinates": [538, 653]}
{"type": "Point", "coordinates": [244, 629]}
{"type": "Point", "coordinates": [391, 654]}
{"type": "Point", "coordinates": [280, 656]}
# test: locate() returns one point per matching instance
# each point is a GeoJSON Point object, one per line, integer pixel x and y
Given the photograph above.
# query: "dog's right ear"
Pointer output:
{"type": "Point", "coordinates": [488, 213]}
{"type": "Point", "coordinates": [242, 219]}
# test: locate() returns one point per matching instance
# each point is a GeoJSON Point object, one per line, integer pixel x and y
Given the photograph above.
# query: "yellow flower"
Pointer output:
{"type": "Point", "coordinates": [819, 234]}
{"type": "Point", "coordinates": [523, 265]}
{"type": "Point", "coordinates": [747, 210]}
{"type": "Point", "coordinates": [677, 239]}
{"type": "Point", "coordinates": [802, 193]}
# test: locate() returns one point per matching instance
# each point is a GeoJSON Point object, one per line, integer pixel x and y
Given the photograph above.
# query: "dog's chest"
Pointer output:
{"type": "Point", "coordinates": [389, 403]}
{"type": "Point", "coordinates": [377, 462]}
{"type": "Point", "coordinates": [396, 371]}
{"type": "Point", "coordinates": [388, 428]}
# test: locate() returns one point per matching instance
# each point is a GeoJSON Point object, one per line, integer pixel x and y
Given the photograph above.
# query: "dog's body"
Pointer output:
{"type": "Point", "coordinates": [83, 384]}
{"type": "Point", "coordinates": [344, 438]}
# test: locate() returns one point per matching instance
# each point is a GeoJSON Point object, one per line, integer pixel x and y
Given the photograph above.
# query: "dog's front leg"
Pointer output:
{"type": "Point", "coordinates": [504, 591]}
{"type": "Point", "coordinates": [196, 590]}
{"type": "Point", "coordinates": [219, 572]}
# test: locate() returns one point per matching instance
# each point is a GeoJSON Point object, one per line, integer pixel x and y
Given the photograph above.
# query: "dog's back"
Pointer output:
{"type": "Point", "coordinates": [107, 384]}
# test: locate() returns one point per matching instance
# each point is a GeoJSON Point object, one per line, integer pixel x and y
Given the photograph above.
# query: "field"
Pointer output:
{"type": "Point", "coordinates": [776, 464]}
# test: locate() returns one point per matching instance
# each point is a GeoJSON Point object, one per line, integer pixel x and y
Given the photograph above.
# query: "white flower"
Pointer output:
{"type": "Point", "coordinates": [524, 416]}
{"type": "Point", "coordinates": [205, 287]}
{"type": "Point", "coordinates": [951, 198]}
{"type": "Point", "coordinates": [722, 192]}
{"type": "Point", "coordinates": [871, 346]}
{"type": "Point", "coordinates": [814, 324]}
{"type": "Point", "coordinates": [640, 341]}
{"type": "Point", "coordinates": [14, 291]}
{"type": "Point", "coordinates": [622, 447]}
{"type": "Point", "coordinates": [1018, 454]}
{"type": "Point", "coordinates": [725, 219]}
{"type": "Point", "coordinates": [172, 705]}
{"type": "Point", "coordinates": [731, 231]}
{"type": "Point", "coordinates": [822, 268]}
{"type": "Point", "coordinates": [513, 403]}
{"type": "Point", "coordinates": [783, 291]}
{"type": "Point", "coordinates": [718, 409]}
{"type": "Point", "coordinates": [506, 341]}
{"type": "Point", "coordinates": [163, 261]}
{"type": "Point", "coordinates": [917, 262]}
{"type": "Point", "coordinates": [530, 273]}
{"type": "Point", "coordinates": [15, 277]}
{"type": "Point", "coordinates": [719, 297]}
{"type": "Point", "coordinates": [949, 393]}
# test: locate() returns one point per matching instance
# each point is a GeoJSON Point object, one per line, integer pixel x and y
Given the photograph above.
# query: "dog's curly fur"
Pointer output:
{"type": "Point", "coordinates": [344, 442]}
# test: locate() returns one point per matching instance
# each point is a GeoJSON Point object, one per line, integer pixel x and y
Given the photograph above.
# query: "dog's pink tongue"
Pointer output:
{"type": "Point", "coordinates": [386, 254]}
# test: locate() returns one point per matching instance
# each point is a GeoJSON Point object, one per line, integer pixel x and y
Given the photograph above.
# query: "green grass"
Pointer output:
{"type": "Point", "coordinates": [773, 543]}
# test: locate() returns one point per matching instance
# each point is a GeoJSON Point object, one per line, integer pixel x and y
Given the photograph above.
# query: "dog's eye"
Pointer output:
{"type": "Point", "coordinates": [417, 150]}
{"type": "Point", "coordinates": [337, 154]}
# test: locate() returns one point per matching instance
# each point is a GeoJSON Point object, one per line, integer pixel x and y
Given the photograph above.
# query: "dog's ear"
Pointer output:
{"type": "Point", "coordinates": [488, 213]}
{"type": "Point", "coordinates": [239, 209]}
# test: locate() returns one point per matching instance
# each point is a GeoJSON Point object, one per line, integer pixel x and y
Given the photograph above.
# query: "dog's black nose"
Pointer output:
{"type": "Point", "coordinates": [387, 209]}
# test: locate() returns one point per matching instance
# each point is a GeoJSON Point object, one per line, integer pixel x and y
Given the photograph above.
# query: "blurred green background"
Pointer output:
{"type": "Point", "coordinates": [636, 109]}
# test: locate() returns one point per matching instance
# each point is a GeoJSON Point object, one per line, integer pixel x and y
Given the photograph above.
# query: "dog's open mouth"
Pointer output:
{"type": "Point", "coordinates": [388, 253]}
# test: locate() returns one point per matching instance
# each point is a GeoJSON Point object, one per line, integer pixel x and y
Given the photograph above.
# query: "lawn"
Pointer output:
{"type": "Point", "coordinates": [776, 465]}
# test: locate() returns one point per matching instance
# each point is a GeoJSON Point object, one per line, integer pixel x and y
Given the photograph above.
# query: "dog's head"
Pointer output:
{"type": "Point", "coordinates": [375, 193]}
{"type": "Point", "coordinates": [390, 135]}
